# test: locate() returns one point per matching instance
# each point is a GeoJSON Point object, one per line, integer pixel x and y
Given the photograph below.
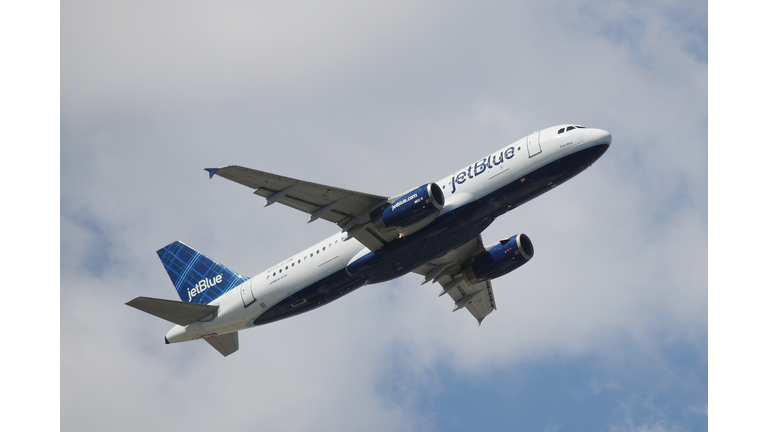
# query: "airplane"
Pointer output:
{"type": "Point", "coordinates": [433, 230]}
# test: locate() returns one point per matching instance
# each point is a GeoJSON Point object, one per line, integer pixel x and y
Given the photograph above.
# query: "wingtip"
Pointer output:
{"type": "Point", "coordinates": [211, 171]}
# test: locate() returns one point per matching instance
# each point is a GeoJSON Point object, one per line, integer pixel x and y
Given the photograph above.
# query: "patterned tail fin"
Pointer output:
{"type": "Point", "coordinates": [197, 278]}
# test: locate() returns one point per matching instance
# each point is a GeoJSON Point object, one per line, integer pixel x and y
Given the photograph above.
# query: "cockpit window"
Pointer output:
{"type": "Point", "coordinates": [570, 128]}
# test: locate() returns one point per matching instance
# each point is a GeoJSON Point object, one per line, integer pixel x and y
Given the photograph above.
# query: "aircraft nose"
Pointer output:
{"type": "Point", "coordinates": [602, 137]}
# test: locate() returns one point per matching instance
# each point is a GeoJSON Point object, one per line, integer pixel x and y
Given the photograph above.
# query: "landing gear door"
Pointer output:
{"type": "Point", "coordinates": [247, 293]}
{"type": "Point", "coordinates": [534, 147]}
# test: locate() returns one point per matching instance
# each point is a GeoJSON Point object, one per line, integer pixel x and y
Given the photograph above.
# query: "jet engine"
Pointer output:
{"type": "Point", "coordinates": [500, 259]}
{"type": "Point", "coordinates": [412, 211]}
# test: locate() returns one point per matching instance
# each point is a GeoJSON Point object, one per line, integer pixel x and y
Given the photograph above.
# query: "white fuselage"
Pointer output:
{"type": "Point", "coordinates": [238, 307]}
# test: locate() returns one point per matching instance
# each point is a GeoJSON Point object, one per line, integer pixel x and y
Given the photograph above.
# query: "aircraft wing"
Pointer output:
{"type": "Point", "coordinates": [348, 209]}
{"type": "Point", "coordinates": [477, 298]}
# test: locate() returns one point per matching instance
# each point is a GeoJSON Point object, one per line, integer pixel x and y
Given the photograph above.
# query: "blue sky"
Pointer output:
{"type": "Point", "coordinates": [606, 329]}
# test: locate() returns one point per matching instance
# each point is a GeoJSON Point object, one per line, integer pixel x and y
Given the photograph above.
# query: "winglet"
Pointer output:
{"type": "Point", "coordinates": [211, 171]}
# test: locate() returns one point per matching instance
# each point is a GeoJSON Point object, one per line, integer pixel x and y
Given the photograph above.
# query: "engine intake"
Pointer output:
{"type": "Point", "coordinates": [500, 259]}
{"type": "Point", "coordinates": [414, 209]}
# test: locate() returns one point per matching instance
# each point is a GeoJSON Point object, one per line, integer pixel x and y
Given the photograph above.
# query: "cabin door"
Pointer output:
{"type": "Point", "coordinates": [247, 293]}
{"type": "Point", "coordinates": [534, 147]}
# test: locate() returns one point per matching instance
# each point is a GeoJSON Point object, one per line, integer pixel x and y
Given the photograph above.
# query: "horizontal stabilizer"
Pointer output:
{"type": "Point", "coordinates": [226, 344]}
{"type": "Point", "coordinates": [181, 313]}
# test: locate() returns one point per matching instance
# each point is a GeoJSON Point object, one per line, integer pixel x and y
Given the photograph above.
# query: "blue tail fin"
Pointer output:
{"type": "Point", "coordinates": [197, 278]}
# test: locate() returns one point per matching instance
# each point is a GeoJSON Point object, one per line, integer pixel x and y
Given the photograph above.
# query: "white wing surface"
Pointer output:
{"type": "Point", "coordinates": [477, 298]}
{"type": "Point", "coordinates": [348, 209]}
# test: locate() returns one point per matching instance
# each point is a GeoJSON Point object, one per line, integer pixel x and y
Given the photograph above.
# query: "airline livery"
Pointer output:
{"type": "Point", "coordinates": [433, 230]}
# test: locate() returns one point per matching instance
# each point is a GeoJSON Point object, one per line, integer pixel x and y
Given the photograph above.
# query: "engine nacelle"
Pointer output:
{"type": "Point", "coordinates": [500, 259]}
{"type": "Point", "coordinates": [413, 211]}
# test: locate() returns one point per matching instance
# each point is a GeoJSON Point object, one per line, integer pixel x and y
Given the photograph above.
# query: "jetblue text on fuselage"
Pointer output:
{"type": "Point", "coordinates": [480, 167]}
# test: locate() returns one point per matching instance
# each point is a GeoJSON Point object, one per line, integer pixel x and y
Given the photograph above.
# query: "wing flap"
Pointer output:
{"type": "Point", "coordinates": [181, 313]}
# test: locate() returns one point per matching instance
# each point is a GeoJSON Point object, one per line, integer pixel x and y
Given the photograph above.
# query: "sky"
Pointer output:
{"type": "Point", "coordinates": [605, 329]}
